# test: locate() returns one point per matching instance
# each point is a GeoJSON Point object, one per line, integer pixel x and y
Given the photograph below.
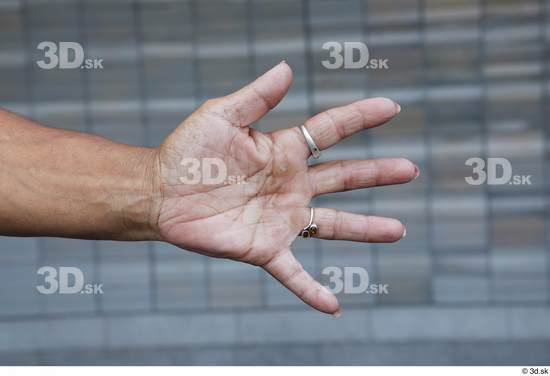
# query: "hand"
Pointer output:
{"type": "Point", "coordinates": [257, 221]}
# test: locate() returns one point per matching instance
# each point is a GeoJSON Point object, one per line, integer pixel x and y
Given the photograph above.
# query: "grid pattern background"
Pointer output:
{"type": "Point", "coordinates": [469, 285]}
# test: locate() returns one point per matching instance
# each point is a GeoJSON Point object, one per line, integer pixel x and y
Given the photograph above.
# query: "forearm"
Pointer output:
{"type": "Point", "coordinates": [60, 183]}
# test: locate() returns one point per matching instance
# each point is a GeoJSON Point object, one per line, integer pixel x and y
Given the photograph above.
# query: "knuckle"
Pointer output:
{"type": "Point", "coordinates": [337, 224]}
{"type": "Point", "coordinates": [294, 271]}
{"type": "Point", "coordinates": [340, 131]}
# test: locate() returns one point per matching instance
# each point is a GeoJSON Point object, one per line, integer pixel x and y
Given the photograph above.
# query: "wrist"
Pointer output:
{"type": "Point", "coordinates": [155, 193]}
{"type": "Point", "coordinates": [140, 207]}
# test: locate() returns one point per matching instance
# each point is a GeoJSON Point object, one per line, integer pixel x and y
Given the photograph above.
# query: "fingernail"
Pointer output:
{"type": "Point", "coordinates": [397, 108]}
{"type": "Point", "coordinates": [404, 233]}
{"type": "Point", "coordinates": [283, 61]}
{"type": "Point", "coordinates": [416, 172]}
{"type": "Point", "coordinates": [337, 314]}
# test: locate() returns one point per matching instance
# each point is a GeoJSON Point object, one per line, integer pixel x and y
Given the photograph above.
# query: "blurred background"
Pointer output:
{"type": "Point", "coordinates": [468, 285]}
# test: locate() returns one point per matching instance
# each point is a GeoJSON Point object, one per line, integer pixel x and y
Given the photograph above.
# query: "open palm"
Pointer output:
{"type": "Point", "coordinates": [252, 205]}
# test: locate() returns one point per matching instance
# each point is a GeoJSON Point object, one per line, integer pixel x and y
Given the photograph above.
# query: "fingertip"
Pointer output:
{"type": "Point", "coordinates": [411, 169]}
{"type": "Point", "coordinates": [286, 71]}
{"type": "Point", "coordinates": [328, 303]}
{"type": "Point", "coordinates": [401, 231]}
{"type": "Point", "coordinates": [283, 66]}
{"type": "Point", "coordinates": [387, 105]}
{"type": "Point", "coordinates": [395, 230]}
{"type": "Point", "coordinates": [275, 83]}
{"type": "Point", "coordinates": [405, 170]}
{"type": "Point", "coordinates": [379, 109]}
{"type": "Point", "coordinates": [251, 103]}
{"type": "Point", "coordinates": [416, 172]}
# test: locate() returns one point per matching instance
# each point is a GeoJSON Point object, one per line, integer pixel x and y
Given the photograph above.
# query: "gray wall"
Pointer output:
{"type": "Point", "coordinates": [469, 284]}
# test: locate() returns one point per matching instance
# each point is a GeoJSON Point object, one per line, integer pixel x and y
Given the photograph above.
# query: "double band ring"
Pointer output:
{"type": "Point", "coordinates": [315, 151]}
{"type": "Point", "coordinates": [311, 229]}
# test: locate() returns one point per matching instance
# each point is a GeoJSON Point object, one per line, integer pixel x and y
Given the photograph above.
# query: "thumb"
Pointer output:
{"type": "Point", "coordinates": [252, 102]}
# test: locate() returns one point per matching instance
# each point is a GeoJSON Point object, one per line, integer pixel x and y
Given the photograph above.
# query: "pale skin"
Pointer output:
{"type": "Point", "coordinates": [60, 183]}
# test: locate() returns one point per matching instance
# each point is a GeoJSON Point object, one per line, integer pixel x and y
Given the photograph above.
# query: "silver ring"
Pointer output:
{"type": "Point", "coordinates": [315, 151]}
{"type": "Point", "coordinates": [311, 229]}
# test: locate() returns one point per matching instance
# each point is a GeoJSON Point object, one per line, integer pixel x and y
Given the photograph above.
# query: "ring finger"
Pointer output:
{"type": "Point", "coordinates": [340, 225]}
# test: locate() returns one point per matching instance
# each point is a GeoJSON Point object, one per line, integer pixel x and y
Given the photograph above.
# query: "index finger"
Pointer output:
{"type": "Point", "coordinates": [330, 127]}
